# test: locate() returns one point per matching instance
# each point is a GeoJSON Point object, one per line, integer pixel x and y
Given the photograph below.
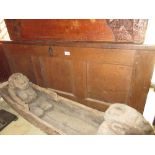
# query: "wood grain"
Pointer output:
{"type": "Point", "coordinates": [113, 30]}
{"type": "Point", "coordinates": [141, 79]}
{"type": "Point", "coordinates": [4, 66]}
{"type": "Point", "coordinates": [93, 76]}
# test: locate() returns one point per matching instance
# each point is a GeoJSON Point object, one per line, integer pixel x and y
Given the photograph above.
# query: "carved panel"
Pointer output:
{"type": "Point", "coordinates": [128, 30]}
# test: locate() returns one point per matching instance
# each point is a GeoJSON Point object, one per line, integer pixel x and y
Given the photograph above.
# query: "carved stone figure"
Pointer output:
{"type": "Point", "coordinates": [121, 119]}
{"type": "Point", "coordinates": [67, 116]}
{"type": "Point", "coordinates": [21, 89]}
{"type": "Point", "coordinates": [19, 85]}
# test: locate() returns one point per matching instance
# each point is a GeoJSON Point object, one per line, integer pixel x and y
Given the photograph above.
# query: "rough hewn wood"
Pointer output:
{"type": "Point", "coordinates": [72, 111]}
{"type": "Point", "coordinates": [68, 117]}
{"type": "Point", "coordinates": [49, 129]}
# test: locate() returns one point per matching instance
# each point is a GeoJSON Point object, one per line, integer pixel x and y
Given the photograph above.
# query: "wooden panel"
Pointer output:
{"type": "Point", "coordinates": [58, 73]}
{"type": "Point", "coordinates": [109, 83]}
{"type": "Point", "coordinates": [114, 30]}
{"type": "Point", "coordinates": [78, 76]}
{"type": "Point", "coordinates": [142, 74]}
{"type": "Point", "coordinates": [37, 70]}
{"type": "Point", "coordinates": [27, 50]}
{"type": "Point", "coordinates": [59, 30]}
{"type": "Point", "coordinates": [25, 59]}
{"type": "Point", "coordinates": [4, 67]}
{"type": "Point", "coordinates": [110, 56]}
{"type": "Point", "coordinates": [99, 64]}
{"type": "Point", "coordinates": [83, 44]}
{"type": "Point", "coordinates": [20, 62]}
{"type": "Point", "coordinates": [91, 76]}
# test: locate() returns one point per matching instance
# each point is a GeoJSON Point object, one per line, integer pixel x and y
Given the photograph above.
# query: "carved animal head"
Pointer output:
{"type": "Point", "coordinates": [18, 80]}
{"type": "Point", "coordinates": [122, 119]}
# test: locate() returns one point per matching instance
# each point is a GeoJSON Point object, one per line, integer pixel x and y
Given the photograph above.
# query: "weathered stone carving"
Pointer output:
{"type": "Point", "coordinates": [71, 117]}
{"type": "Point", "coordinates": [120, 119]}
{"type": "Point", "coordinates": [21, 89]}
{"type": "Point", "coordinates": [20, 86]}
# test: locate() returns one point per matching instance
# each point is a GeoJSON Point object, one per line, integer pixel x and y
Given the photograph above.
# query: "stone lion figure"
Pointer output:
{"type": "Point", "coordinates": [22, 91]}
{"type": "Point", "coordinates": [20, 85]}
{"type": "Point", "coordinates": [120, 119]}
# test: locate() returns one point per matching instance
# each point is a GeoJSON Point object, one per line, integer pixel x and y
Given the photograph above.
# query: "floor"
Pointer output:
{"type": "Point", "coordinates": [20, 126]}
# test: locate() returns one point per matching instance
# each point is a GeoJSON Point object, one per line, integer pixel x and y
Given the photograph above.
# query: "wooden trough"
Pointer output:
{"type": "Point", "coordinates": [57, 115]}
{"type": "Point", "coordinates": [67, 117]}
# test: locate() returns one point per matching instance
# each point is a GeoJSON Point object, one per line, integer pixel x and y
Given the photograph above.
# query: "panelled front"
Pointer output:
{"type": "Point", "coordinates": [92, 76]}
{"type": "Point", "coordinates": [108, 82]}
{"type": "Point", "coordinates": [58, 73]}
{"type": "Point", "coordinates": [4, 67]}
{"type": "Point", "coordinates": [106, 74]}
{"type": "Point", "coordinates": [20, 58]}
